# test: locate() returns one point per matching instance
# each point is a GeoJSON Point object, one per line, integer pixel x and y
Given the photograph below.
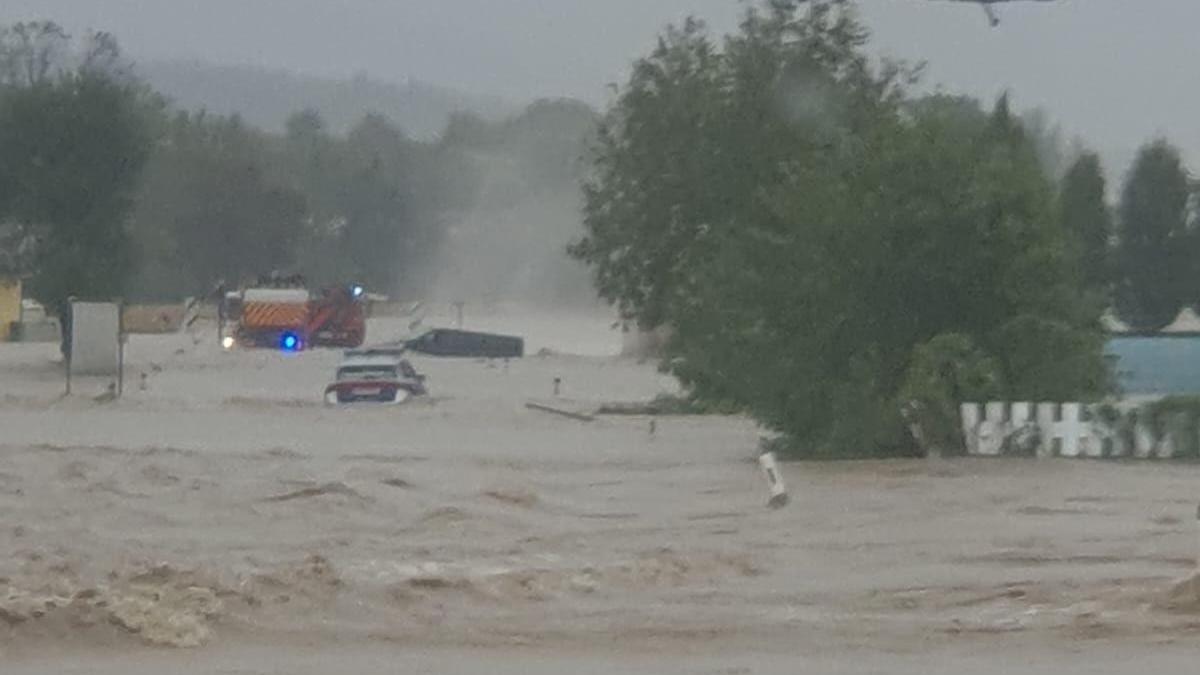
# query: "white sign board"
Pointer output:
{"type": "Point", "coordinates": [95, 338]}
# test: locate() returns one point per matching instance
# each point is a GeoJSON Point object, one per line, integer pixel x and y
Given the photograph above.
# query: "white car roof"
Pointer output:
{"type": "Point", "coordinates": [370, 362]}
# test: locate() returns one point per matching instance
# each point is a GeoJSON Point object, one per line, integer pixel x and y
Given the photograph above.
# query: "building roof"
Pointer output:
{"type": "Point", "coordinates": [1186, 322]}
{"type": "Point", "coordinates": [1113, 324]}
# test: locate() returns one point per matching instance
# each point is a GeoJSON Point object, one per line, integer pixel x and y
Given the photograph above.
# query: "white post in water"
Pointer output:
{"type": "Point", "coordinates": [779, 496]}
{"type": "Point", "coordinates": [1198, 538]}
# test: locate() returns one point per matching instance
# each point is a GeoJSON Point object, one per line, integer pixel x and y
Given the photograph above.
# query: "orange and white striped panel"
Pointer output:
{"type": "Point", "coordinates": [274, 315]}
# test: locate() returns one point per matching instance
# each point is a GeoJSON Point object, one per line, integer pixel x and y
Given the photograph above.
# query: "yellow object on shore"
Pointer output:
{"type": "Point", "coordinates": [10, 307]}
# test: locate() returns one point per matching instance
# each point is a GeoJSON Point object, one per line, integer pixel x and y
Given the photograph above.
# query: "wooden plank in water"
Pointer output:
{"type": "Point", "coordinates": [581, 417]}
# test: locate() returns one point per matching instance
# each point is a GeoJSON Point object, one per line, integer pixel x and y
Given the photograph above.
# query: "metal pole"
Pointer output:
{"type": "Point", "coordinates": [65, 336]}
{"type": "Point", "coordinates": [121, 366]}
{"type": "Point", "coordinates": [1198, 526]}
{"type": "Point", "coordinates": [120, 348]}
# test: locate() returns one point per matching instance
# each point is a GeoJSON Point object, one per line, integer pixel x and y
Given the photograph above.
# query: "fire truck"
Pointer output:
{"type": "Point", "coordinates": [291, 318]}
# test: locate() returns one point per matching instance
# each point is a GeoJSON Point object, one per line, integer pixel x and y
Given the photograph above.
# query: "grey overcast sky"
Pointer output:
{"type": "Point", "coordinates": [1115, 72]}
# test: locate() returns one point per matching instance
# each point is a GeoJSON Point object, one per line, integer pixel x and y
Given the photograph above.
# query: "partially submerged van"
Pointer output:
{"type": "Point", "coordinates": [461, 343]}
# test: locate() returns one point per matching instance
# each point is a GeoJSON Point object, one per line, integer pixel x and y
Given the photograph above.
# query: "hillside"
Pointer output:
{"type": "Point", "coordinates": [265, 97]}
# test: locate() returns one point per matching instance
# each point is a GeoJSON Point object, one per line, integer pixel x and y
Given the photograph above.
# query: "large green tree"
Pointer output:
{"type": "Point", "coordinates": [659, 175]}
{"type": "Point", "coordinates": [210, 209]}
{"type": "Point", "coordinates": [224, 201]}
{"type": "Point", "coordinates": [376, 199]}
{"type": "Point", "coordinates": [73, 142]}
{"type": "Point", "coordinates": [1155, 250]}
{"type": "Point", "coordinates": [1084, 212]}
{"type": "Point", "coordinates": [812, 236]}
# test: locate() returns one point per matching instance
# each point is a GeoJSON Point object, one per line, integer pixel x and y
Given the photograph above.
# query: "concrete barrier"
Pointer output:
{"type": "Point", "coordinates": [153, 319]}
{"type": "Point", "coordinates": [1059, 430]}
{"type": "Point", "coordinates": [46, 330]}
{"type": "Point", "coordinates": [392, 309]}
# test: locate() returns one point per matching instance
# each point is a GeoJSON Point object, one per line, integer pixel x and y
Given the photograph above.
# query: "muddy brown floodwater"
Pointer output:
{"type": "Point", "coordinates": [224, 521]}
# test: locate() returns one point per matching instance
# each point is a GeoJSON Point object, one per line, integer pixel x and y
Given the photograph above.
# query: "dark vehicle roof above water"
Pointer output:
{"type": "Point", "coordinates": [453, 342]}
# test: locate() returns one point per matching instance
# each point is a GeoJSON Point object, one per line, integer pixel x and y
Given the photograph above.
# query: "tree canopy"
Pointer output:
{"type": "Point", "coordinates": [1084, 213]}
{"type": "Point", "coordinates": [1156, 248]}
{"type": "Point", "coordinates": [73, 143]}
{"type": "Point", "coordinates": [807, 229]}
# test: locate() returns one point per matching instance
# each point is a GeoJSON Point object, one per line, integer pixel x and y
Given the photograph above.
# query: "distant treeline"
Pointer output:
{"type": "Point", "coordinates": [107, 189]}
{"type": "Point", "coordinates": [265, 98]}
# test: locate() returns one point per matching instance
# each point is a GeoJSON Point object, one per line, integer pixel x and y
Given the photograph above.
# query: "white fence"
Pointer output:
{"type": "Point", "coordinates": [1058, 430]}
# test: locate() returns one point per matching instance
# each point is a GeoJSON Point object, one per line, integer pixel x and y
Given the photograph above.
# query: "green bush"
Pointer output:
{"type": "Point", "coordinates": [826, 248]}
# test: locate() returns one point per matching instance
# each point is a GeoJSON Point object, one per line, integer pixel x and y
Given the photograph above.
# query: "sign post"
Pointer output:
{"type": "Point", "coordinates": [65, 339]}
{"type": "Point", "coordinates": [120, 347]}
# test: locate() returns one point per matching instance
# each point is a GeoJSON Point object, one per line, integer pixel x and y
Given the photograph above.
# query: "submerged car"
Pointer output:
{"type": "Point", "coordinates": [375, 376]}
